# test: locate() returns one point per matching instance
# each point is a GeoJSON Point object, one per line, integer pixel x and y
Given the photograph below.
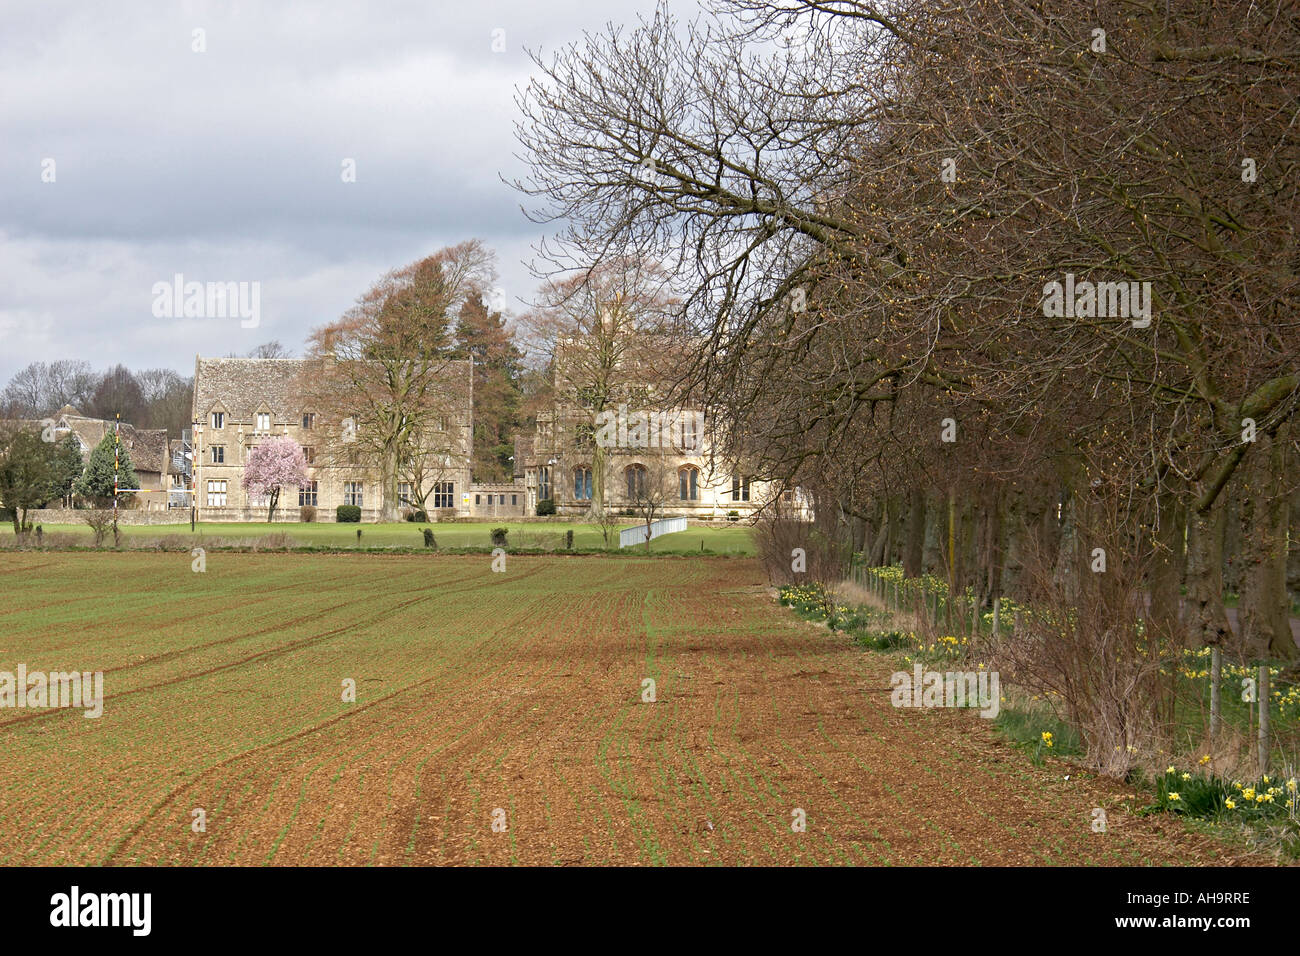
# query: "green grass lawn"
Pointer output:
{"type": "Point", "coordinates": [725, 539]}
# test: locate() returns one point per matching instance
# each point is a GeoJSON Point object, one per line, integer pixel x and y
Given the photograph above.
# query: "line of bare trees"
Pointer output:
{"type": "Point", "coordinates": [866, 206]}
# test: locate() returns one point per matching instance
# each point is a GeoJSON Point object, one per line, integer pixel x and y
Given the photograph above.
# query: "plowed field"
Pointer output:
{"type": "Point", "coordinates": [498, 719]}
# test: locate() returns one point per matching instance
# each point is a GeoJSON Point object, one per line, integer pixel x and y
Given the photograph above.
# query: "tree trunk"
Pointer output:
{"type": "Point", "coordinates": [932, 555]}
{"type": "Point", "coordinates": [952, 541]}
{"type": "Point", "coordinates": [388, 500]}
{"type": "Point", "coordinates": [1065, 571]}
{"type": "Point", "coordinates": [968, 545]}
{"type": "Point", "coordinates": [858, 530]}
{"type": "Point", "coordinates": [598, 466]}
{"type": "Point", "coordinates": [1264, 608]}
{"type": "Point", "coordinates": [882, 534]}
{"type": "Point", "coordinates": [892, 520]}
{"type": "Point", "coordinates": [914, 535]}
{"type": "Point", "coordinates": [1167, 563]}
{"type": "Point", "coordinates": [1206, 620]}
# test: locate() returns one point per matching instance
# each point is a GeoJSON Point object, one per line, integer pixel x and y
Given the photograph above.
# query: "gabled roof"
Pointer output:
{"type": "Point", "coordinates": [149, 450]}
{"type": "Point", "coordinates": [243, 386]}
{"type": "Point", "coordinates": [90, 431]}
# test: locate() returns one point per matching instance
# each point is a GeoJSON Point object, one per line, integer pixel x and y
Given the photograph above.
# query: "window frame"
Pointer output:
{"type": "Point", "coordinates": [635, 487]}
{"type": "Point", "coordinates": [308, 494]}
{"type": "Point", "coordinates": [688, 483]}
{"type": "Point", "coordinates": [354, 493]}
{"type": "Point", "coordinates": [214, 492]}
{"type": "Point", "coordinates": [444, 494]}
{"type": "Point", "coordinates": [582, 483]}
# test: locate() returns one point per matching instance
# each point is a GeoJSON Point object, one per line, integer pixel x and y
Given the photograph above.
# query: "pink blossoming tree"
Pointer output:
{"type": "Point", "coordinates": [274, 465]}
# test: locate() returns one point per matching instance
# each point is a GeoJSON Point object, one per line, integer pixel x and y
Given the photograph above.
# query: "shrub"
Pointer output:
{"type": "Point", "coordinates": [1080, 619]}
{"type": "Point", "coordinates": [419, 516]}
{"type": "Point", "coordinates": [278, 541]}
{"type": "Point", "coordinates": [546, 507]}
{"type": "Point", "coordinates": [538, 540]}
{"type": "Point", "coordinates": [884, 640]}
{"type": "Point", "coordinates": [429, 540]}
{"type": "Point", "coordinates": [733, 515]}
{"type": "Point", "coordinates": [307, 513]}
{"type": "Point", "coordinates": [777, 536]}
{"type": "Point", "coordinates": [347, 513]}
{"type": "Point", "coordinates": [100, 521]}
{"type": "Point", "coordinates": [499, 536]}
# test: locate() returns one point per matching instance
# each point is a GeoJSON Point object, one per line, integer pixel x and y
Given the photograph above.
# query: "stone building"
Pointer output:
{"type": "Point", "coordinates": [648, 451]}
{"type": "Point", "coordinates": [240, 402]}
{"type": "Point", "coordinates": [147, 448]}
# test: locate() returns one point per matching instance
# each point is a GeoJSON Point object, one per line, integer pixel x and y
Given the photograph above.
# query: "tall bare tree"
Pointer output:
{"type": "Point", "coordinates": [386, 366]}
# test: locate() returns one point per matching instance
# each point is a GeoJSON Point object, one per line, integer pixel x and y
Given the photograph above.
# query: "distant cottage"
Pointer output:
{"type": "Point", "coordinates": [148, 447]}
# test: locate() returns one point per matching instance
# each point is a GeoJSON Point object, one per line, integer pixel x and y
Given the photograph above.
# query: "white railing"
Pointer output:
{"type": "Point", "coordinates": [630, 536]}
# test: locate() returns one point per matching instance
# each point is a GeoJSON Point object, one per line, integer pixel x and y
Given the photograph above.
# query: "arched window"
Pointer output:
{"type": "Point", "coordinates": [582, 483]}
{"type": "Point", "coordinates": [635, 475]}
{"type": "Point", "coordinates": [688, 483]}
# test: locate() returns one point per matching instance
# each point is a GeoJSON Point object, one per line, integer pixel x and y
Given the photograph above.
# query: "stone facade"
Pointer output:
{"type": "Point", "coordinates": [505, 500]}
{"type": "Point", "coordinates": [642, 445]}
{"type": "Point", "coordinates": [239, 403]}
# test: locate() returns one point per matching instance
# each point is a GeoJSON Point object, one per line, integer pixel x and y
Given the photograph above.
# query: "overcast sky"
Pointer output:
{"type": "Point", "coordinates": [227, 165]}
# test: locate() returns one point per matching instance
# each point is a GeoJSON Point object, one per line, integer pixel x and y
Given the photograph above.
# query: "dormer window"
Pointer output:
{"type": "Point", "coordinates": [308, 420]}
{"type": "Point", "coordinates": [218, 419]}
{"type": "Point", "coordinates": [263, 421]}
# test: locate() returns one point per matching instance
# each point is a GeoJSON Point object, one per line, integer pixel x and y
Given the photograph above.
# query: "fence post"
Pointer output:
{"type": "Point", "coordinates": [1262, 695]}
{"type": "Point", "coordinates": [1216, 672]}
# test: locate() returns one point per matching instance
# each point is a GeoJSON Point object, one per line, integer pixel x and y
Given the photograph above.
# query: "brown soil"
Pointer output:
{"type": "Point", "coordinates": [532, 705]}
